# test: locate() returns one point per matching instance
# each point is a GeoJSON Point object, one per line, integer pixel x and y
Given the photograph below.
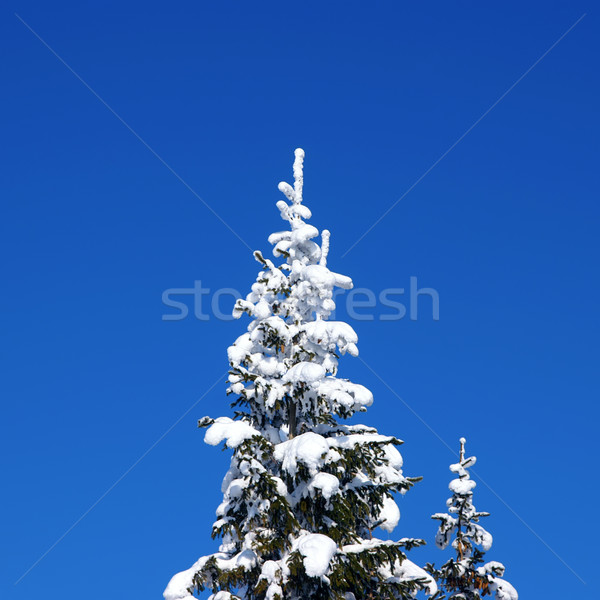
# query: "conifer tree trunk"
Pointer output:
{"type": "Point", "coordinates": [292, 418]}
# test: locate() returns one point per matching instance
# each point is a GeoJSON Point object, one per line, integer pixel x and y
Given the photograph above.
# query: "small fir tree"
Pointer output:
{"type": "Point", "coordinates": [468, 576]}
{"type": "Point", "coordinates": [304, 493]}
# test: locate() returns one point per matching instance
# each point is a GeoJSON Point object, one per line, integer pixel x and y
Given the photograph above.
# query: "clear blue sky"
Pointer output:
{"type": "Point", "coordinates": [95, 227]}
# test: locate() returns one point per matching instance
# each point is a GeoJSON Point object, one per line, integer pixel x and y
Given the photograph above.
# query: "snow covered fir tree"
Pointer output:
{"type": "Point", "coordinates": [305, 493]}
{"type": "Point", "coordinates": [468, 576]}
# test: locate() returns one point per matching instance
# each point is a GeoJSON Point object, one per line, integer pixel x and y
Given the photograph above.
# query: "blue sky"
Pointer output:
{"type": "Point", "coordinates": [95, 227]}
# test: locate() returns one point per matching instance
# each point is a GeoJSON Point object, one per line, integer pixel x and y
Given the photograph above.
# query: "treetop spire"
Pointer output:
{"type": "Point", "coordinates": [298, 174]}
{"type": "Point", "coordinates": [325, 235]}
{"type": "Point", "coordinates": [294, 194]}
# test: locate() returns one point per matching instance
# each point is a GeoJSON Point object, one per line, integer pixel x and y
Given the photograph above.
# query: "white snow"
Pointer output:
{"type": "Point", "coordinates": [391, 513]}
{"type": "Point", "coordinates": [504, 590]}
{"type": "Point", "coordinates": [365, 545]}
{"type": "Point", "coordinates": [220, 596]}
{"type": "Point", "coordinates": [322, 278]}
{"type": "Point", "coordinates": [233, 432]}
{"type": "Point", "coordinates": [310, 449]}
{"type": "Point", "coordinates": [350, 441]}
{"type": "Point", "coordinates": [236, 488]}
{"type": "Point", "coordinates": [240, 348]}
{"type": "Point", "coordinates": [494, 567]}
{"type": "Point", "coordinates": [408, 570]}
{"type": "Point", "coordinates": [330, 334]}
{"type": "Point", "coordinates": [482, 537]}
{"type": "Point", "coordinates": [461, 468]}
{"type": "Point", "coordinates": [461, 486]}
{"type": "Point", "coordinates": [394, 457]}
{"type": "Point", "coordinates": [305, 372]}
{"type": "Point", "coordinates": [179, 584]}
{"type": "Point", "coordinates": [349, 395]}
{"type": "Point", "coordinates": [317, 550]}
{"type": "Point", "coordinates": [328, 484]}
{"type": "Point", "coordinates": [269, 571]}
